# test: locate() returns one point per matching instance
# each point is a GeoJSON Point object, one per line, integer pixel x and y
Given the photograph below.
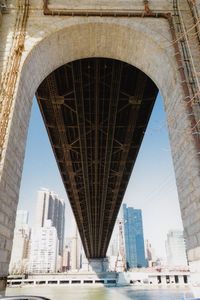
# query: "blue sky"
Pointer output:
{"type": "Point", "coordinates": [151, 188]}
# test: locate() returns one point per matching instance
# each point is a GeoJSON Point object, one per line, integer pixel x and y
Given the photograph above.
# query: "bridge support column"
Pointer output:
{"type": "Point", "coordinates": [98, 265]}
{"type": "Point", "coordinates": [3, 281]}
{"type": "Point", "coordinates": [194, 263]}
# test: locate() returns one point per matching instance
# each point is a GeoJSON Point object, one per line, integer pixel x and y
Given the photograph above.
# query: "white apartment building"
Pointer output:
{"type": "Point", "coordinates": [44, 249]}
{"type": "Point", "coordinates": [19, 255]}
{"type": "Point", "coordinates": [20, 248]}
{"type": "Point", "coordinates": [175, 249]}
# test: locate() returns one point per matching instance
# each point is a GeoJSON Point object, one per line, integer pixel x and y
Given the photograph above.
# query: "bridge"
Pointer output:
{"type": "Point", "coordinates": [96, 69]}
{"type": "Point", "coordinates": [96, 111]}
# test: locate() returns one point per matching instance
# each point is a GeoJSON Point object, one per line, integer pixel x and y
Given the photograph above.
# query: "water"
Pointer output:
{"type": "Point", "coordinates": [102, 293]}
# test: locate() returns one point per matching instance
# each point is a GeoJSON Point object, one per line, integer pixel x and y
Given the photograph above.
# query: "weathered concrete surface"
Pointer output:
{"type": "Point", "coordinates": [3, 281]}
{"type": "Point", "coordinates": [53, 41]}
{"type": "Point", "coordinates": [98, 265]}
{"type": "Point", "coordinates": [105, 4]}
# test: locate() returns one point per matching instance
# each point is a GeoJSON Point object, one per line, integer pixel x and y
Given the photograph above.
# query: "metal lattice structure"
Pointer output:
{"type": "Point", "coordinates": [96, 111]}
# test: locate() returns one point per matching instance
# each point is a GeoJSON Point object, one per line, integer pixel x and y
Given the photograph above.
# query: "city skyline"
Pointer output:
{"type": "Point", "coordinates": [151, 188]}
{"type": "Point", "coordinates": [36, 249]}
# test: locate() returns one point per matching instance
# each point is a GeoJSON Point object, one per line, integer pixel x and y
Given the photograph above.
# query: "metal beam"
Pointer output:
{"type": "Point", "coordinates": [114, 97]}
{"type": "Point", "coordinates": [79, 102]}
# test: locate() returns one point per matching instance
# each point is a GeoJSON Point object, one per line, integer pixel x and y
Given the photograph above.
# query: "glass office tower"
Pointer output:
{"type": "Point", "coordinates": [134, 237]}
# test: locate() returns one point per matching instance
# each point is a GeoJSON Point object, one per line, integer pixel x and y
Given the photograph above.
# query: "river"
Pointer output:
{"type": "Point", "coordinates": [102, 293]}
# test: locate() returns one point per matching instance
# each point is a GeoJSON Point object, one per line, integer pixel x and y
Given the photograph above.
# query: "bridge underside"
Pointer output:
{"type": "Point", "coordinates": [96, 112]}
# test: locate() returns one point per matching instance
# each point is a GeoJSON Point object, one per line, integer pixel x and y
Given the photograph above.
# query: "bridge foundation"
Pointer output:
{"type": "Point", "coordinates": [98, 265]}
{"type": "Point", "coordinates": [3, 281]}
{"type": "Point", "coordinates": [195, 270]}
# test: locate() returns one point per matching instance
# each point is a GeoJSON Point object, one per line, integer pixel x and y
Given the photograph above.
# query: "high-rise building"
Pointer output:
{"type": "Point", "coordinates": [44, 249]}
{"type": "Point", "coordinates": [150, 254]}
{"type": "Point", "coordinates": [134, 237]}
{"type": "Point", "coordinates": [21, 218]}
{"type": "Point", "coordinates": [66, 258]}
{"type": "Point", "coordinates": [175, 249]}
{"type": "Point", "coordinates": [21, 240]}
{"type": "Point", "coordinates": [75, 249]}
{"type": "Point", "coordinates": [51, 207]}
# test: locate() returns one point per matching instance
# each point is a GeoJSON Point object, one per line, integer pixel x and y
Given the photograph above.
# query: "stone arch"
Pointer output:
{"type": "Point", "coordinates": [133, 44]}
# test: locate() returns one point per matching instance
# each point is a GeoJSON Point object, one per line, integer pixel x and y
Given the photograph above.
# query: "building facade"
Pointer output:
{"type": "Point", "coordinates": [150, 254]}
{"type": "Point", "coordinates": [21, 242]}
{"type": "Point", "coordinates": [175, 249]}
{"type": "Point", "coordinates": [134, 237]}
{"type": "Point", "coordinates": [66, 258]}
{"type": "Point", "coordinates": [44, 249]}
{"type": "Point", "coordinates": [21, 218]}
{"type": "Point", "coordinates": [51, 207]}
{"type": "Point", "coordinates": [76, 246]}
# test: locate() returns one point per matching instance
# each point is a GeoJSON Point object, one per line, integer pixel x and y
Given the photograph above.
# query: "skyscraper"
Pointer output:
{"type": "Point", "coordinates": [50, 207]}
{"type": "Point", "coordinates": [175, 248]}
{"type": "Point", "coordinates": [134, 238]}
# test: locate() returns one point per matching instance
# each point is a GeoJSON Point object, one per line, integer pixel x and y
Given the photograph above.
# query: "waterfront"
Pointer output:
{"type": "Point", "coordinates": [103, 293]}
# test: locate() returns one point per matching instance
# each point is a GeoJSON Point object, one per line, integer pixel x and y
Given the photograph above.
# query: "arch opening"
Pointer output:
{"type": "Point", "coordinates": [96, 111]}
